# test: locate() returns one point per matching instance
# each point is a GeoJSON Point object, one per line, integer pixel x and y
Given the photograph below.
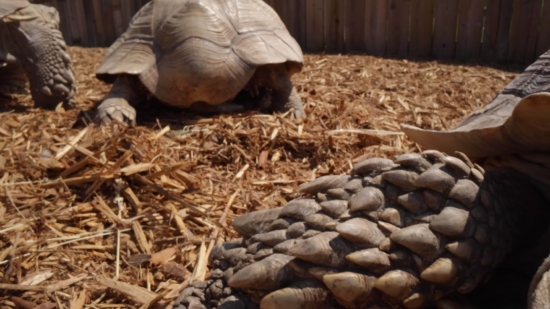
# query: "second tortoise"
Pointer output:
{"type": "Point", "coordinates": [200, 54]}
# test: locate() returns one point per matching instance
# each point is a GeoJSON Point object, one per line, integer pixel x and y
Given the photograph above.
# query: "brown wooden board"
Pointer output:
{"type": "Point", "coordinates": [128, 9]}
{"type": "Point", "coordinates": [117, 17]}
{"type": "Point", "coordinates": [81, 21]}
{"type": "Point", "coordinates": [521, 22]}
{"type": "Point", "coordinates": [91, 22]}
{"type": "Point", "coordinates": [73, 20]}
{"type": "Point", "coordinates": [398, 27]}
{"type": "Point", "coordinates": [470, 24]}
{"type": "Point", "coordinates": [422, 12]}
{"type": "Point", "coordinates": [292, 13]}
{"type": "Point", "coordinates": [65, 21]}
{"type": "Point", "coordinates": [543, 43]}
{"type": "Point", "coordinates": [298, 18]}
{"type": "Point", "coordinates": [315, 25]}
{"type": "Point", "coordinates": [108, 25]}
{"type": "Point", "coordinates": [375, 26]}
{"type": "Point", "coordinates": [99, 23]}
{"type": "Point", "coordinates": [355, 26]}
{"type": "Point", "coordinates": [334, 25]}
{"type": "Point", "coordinates": [533, 32]}
{"type": "Point", "coordinates": [446, 18]}
{"type": "Point", "coordinates": [503, 37]}
{"type": "Point", "coordinates": [490, 30]}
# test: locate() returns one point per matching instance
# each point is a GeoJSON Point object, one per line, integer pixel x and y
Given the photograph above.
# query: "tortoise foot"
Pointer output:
{"type": "Point", "coordinates": [115, 109]}
{"type": "Point", "coordinates": [213, 293]}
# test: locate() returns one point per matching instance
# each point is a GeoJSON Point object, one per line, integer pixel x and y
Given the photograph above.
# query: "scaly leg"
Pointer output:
{"type": "Point", "coordinates": [284, 95]}
{"type": "Point", "coordinates": [415, 232]}
{"type": "Point", "coordinates": [116, 105]}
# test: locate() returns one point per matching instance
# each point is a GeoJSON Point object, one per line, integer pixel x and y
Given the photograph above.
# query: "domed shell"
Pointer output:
{"type": "Point", "coordinates": [200, 50]}
{"type": "Point", "coordinates": [9, 6]}
{"type": "Point", "coordinates": [516, 121]}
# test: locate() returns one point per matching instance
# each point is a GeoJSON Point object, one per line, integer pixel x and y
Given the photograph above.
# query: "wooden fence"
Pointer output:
{"type": "Point", "coordinates": [499, 30]}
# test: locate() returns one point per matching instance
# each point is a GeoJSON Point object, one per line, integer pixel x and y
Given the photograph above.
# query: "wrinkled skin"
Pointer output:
{"type": "Point", "coordinates": [33, 49]}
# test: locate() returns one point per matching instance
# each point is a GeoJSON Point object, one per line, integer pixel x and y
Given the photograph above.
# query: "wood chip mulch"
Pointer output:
{"type": "Point", "coordinates": [114, 217]}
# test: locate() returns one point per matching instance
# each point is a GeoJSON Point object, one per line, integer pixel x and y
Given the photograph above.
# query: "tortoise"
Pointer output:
{"type": "Point", "coordinates": [199, 55]}
{"type": "Point", "coordinates": [33, 49]}
{"type": "Point", "coordinates": [421, 230]}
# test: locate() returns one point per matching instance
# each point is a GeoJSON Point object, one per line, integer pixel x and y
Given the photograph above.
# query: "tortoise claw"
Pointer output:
{"type": "Point", "coordinates": [115, 109]}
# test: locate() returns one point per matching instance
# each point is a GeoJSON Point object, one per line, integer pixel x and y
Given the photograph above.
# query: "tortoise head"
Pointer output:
{"type": "Point", "coordinates": [33, 39]}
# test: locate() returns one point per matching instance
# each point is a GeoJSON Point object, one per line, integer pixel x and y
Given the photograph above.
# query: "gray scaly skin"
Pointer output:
{"type": "Point", "coordinates": [33, 49]}
{"type": "Point", "coordinates": [418, 231]}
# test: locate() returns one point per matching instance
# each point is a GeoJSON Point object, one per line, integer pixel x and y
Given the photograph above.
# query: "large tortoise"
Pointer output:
{"type": "Point", "coordinates": [199, 54]}
{"type": "Point", "coordinates": [33, 49]}
{"type": "Point", "coordinates": [413, 232]}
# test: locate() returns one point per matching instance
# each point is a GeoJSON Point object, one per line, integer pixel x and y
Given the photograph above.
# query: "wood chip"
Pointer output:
{"type": "Point", "coordinates": [92, 197]}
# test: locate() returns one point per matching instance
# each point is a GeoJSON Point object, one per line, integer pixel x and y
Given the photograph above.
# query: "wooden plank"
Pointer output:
{"type": "Point", "coordinates": [334, 25]}
{"type": "Point", "coordinates": [422, 13]}
{"type": "Point", "coordinates": [398, 27]}
{"type": "Point", "coordinates": [73, 21]}
{"type": "Point", "coordinates": [300, 18]}
{"type": "Point", "coordinates": [543, 43]}
{"type": "Point", "coordinates": [470, 24]}
{"type": "Point", "coordinates": [315, 25]}
{"type": "Point", "coordinates": [109, 23]}
{"type": "Point", "coordinates": [503, 36]}
{"type": "Point", "coordinates": [355, 26]}
{"type": "Point", "coordinates": [65, 21]}
{"type": "Point", "coordinates": [490, 30]}
{"type": "Point", "coordinates": [90, 23]}
{"type": "Point", "coordinates": [81, 22]}
{"type": "Point", "coordinates": [295, 12]}
{"type": "Point", "coordinates": [446, 20]}
{"type": "Point", "coordinates": [532, 32]}
{"type": "Point", "coordinates": [117, 18]}
{"type": "Point", "coordinates": [521, 21]}
{"type": "Point", "coordinates": [292, 13]}
{"type": "Point", "coordinates": [277, 5]}
{"type": "Point", "coordinates": [128, 10]}
{"type": "Point", "coordinates": [99, 23]}
{"type": "Point", "coordinates": [375, 26]}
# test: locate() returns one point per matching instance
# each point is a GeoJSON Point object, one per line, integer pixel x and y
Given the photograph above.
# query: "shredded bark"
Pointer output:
{"type": "Point", "coordinates": [112, 217]}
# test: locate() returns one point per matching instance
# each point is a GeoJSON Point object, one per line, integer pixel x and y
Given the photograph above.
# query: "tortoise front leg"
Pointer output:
{"type": "Point", "coordinates": [126, 90]}
{"type": "Point", "coordinates": [284, 95]}
{"type": "Point", "coordinates": [32, 38]}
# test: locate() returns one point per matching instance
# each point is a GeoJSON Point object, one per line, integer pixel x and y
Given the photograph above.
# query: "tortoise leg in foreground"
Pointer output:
{"type": "Point", "coordinates": [406, 233]}
{"type": "Point", "coordinates": [418, 231]}
{"type": "Point", "coordinates": [31, 36]}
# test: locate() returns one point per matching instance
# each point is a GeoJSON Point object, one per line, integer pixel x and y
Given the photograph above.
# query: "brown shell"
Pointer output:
{"type": "Point", "coordinates": [9, 6]}
{"type": "Point", "coordinates": [200, 50]}
{"type": "Point", "coordinates": [516, 121]}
